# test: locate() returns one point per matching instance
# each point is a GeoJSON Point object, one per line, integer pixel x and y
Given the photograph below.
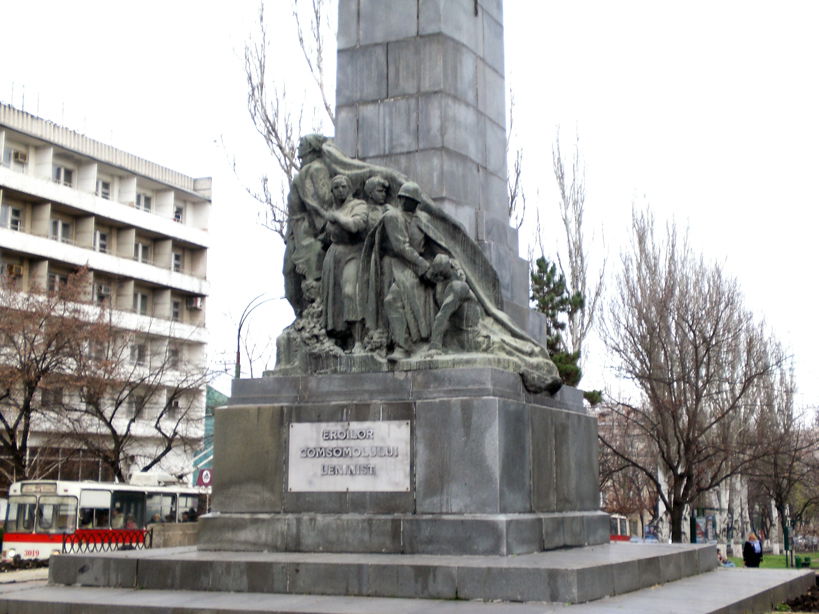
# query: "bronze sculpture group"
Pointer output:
{"type": "Point", "coordinates": [380, 278]}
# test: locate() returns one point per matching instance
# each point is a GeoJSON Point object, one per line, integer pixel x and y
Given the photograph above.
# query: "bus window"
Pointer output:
{"type": "Point", "coordinates": [20, 517]}
{"type": "Point", "coordinates": [57, 514]}
{"type": "Point", "coordinates": [94, 508]}
{"type": "Point", "coordinates": [188, 505]}
{"type": "Point", "coordinates": [127, 510]}
{"type": "Point", "coordinates": [160, 507]}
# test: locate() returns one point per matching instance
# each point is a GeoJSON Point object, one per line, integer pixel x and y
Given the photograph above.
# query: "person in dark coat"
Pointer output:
{"type": "Point", "coordinates": [752, 551]}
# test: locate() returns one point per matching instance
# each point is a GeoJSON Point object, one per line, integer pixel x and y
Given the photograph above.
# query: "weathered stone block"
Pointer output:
{"type": "Point", "coordinates": [496, 153]}
{"type": "Point", "coordinates": [460, 21]}
{"type": "Point", "coordinates": [457, 456]}
{"type": "Point", "coordinates": [347, 129]}
{"type": "Point", "coordinates": [248, 437]}
{"type": "Point", "coordinates": [404, 67]}
{"type": "Point", "coordinates": [574, 530]}
{"type": "Point", "coordinates": [493, 39]}
{"type": "Point", "coordinates": [508, 583]}
{"type": "Point", "coordinates": [494, 199]}
{"type": "Point", "coordinates": [565, 475]}
{"type": "Point", "coordinates": [543, 461]}
{"type": "Point", "coordinates": [343, 533]}
{"type": "Point", "coordinates": [391, 126]}
{"type": "Point", "coordinates": [448, 67]}
{"type": "Point", "coordinates": [595, 582]}
{"type": "Point", "coordinates": [461, 179]}
{"type": "Point", "coordinates": [494, 8]}
{"type": "Point", "coordinates": [491, 94]}
{"type": "Point", "coordinates": [409, 581]}
{"type": "Point", "coordinates": [457, 535]}
{"type": "Point", "coordinates": [464, 132]}
{"type": "Point", "coordinates": [627, 578]}
{"type": "Point", "coordinates": [347, 24]}
{"type": "Point", "coordinates": [92, 570]}
{"type": "Point", "coordinates": [597, 528]}
{"type": "Point", "coordinates": [381, 21]}
{"type": "Point", "coordinates": [361, 74]}
{"type": "Point", "coordinates": [430, 132]}
{"type": "Point", "coordinates": [514, 451]}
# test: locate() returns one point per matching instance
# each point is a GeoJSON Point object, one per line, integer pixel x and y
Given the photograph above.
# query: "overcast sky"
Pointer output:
{"type": "Point", "coordinates": [706, 111]}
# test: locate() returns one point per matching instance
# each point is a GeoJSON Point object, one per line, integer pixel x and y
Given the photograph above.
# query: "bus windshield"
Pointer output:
{"type": "Point", "coordinates": [57, 514]}
{"type": "Point", "coordinates": [20, 515]}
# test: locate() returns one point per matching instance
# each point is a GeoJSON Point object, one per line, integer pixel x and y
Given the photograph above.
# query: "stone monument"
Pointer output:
{"type": "Point", "coordinates": [412, 414]}
{"type": "Point", "coordinates": [411, 410]}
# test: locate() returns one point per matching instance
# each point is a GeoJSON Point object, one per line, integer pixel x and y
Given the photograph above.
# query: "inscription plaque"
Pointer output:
{"type": "Point", "coordinates": [349, 456]}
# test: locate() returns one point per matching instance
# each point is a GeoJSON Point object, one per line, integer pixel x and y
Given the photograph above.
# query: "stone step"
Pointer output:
{"type": "Point", "coordinates": [567, 576]}
{"type": "Point", "coordinates": [721, 591]}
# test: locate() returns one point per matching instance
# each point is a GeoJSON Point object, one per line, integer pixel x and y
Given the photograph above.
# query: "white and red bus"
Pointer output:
{"type": "Point", "coordinates": [42, 513]}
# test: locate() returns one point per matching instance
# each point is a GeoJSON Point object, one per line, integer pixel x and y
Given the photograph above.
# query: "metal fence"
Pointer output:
{"type": "Point", "coordinates": [83, 541]}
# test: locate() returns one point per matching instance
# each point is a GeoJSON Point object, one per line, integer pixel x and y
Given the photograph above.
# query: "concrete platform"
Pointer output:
{"type": "Point", "coordinates": [722, 591]}
{"type": "Point", "coordinates": [567, 576]}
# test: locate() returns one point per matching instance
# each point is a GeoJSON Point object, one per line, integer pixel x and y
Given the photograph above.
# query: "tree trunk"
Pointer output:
{"type": "Point", "coordinates": [677, 511]}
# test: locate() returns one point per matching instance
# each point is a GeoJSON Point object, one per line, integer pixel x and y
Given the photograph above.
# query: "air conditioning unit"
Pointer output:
{"type": "Point", "coordinates": [20, 156]}
{"type": "Point", "coordinates": [103, 290]}
{"type": "Point", "coordinates": [194, 303]}
{"type": "Point", "coordinates": [14, 270]}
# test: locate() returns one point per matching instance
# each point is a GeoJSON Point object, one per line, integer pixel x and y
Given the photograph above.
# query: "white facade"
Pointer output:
{"type": "Point", "coordinates": [67, 201]}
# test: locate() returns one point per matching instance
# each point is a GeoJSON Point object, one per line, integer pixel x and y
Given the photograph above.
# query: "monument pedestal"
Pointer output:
{"type": "Point", "coordinates": [481, 466]}
{"type": "Point", "coordinates": [471, 468]}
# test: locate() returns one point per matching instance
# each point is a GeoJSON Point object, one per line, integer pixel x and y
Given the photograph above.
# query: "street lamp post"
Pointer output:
{"type": "Point", "coordinates": [249, 308]}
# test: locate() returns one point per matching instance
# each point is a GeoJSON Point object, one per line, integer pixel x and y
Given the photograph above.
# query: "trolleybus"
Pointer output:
{"type": "Point", "coordinates": [41, 513]}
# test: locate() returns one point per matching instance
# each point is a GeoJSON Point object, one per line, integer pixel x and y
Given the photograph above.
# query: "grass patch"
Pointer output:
{"type": "Point", "coordinates": [777, 561]}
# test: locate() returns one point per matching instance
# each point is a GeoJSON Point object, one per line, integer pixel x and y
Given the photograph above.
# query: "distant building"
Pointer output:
{"type": "Point", "coordinates": [67, 201]}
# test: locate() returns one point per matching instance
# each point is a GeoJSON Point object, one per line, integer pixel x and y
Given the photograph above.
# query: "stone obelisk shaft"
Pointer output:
{"type": "Point", "coordinates": [421, 88]}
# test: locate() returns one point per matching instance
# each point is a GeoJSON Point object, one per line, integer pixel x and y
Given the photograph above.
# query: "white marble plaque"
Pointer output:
{"type": "Point", "coordinates": [349, 456]}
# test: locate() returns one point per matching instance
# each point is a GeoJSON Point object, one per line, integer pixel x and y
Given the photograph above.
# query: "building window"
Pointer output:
{"type": "Point", "coordinates": [179, 214]}
{"type": "Point", "coordinates": [63, 175]}
{"type": "Point", "coordinates": [173, 357]}
{"type": "Point", "coordinates": [176, 310]}
{"type": "Point", "coordinates": [61, 231]}
{"type": "Point", "coordinates": [136, 405]}
{"type": "Point", "coordinates": [139, 353]}
{"type": "Point", "coordinates": [51, 397]}
{"type": "Point", "coordinates": [11, 217]}
{"type": "Point", "coordinates": [174, 408]}
{"type": "Point", "coordinates": [143, 201]}
{"type": "Point", "coordinates": [103, 293]}
{"type": "Point", "coordinates": [141, 303]}
{"type": "Point", "coordinates": [57, 281]}
{"type": "Point", "coordinates": [142, 252]}
{"type": "Point", "coordinates": [101, 241]}
{"type": "Point", "coordinates": [104, 189]}
{"type": "Point", "coordinates": [15, 159]}
{"type": "Point", "coordinates": [13, 270]}
{"type": "Point", "coordinates": [177, 262]}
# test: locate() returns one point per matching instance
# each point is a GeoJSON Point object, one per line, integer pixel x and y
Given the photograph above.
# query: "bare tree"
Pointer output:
{"type": "Point", "coordinates": [276, 118]}
{"type": "Point", "coordinates": [514, 179]}
{"type": "Point", "coordinates": [41, 334]}
{"type": "Point", "coordinates": [679, 331]}
{"type": "Point", "coordinates": [571, 184]}
{"type": "Point", "coordinates": [135, 398]}
{"type": "Point", "coordinates": [784, 474]}
{"type": "Point", "coordinates": [625, 489]}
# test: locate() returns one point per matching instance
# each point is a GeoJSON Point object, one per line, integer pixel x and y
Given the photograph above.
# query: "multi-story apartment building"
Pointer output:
{"type": "Point", "coordinates": [67, 201]}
